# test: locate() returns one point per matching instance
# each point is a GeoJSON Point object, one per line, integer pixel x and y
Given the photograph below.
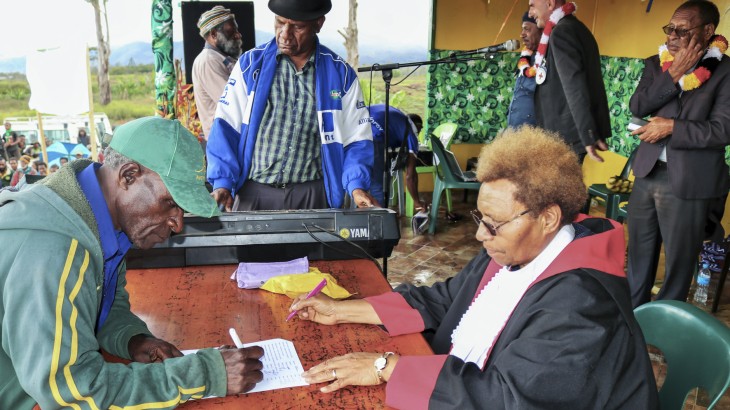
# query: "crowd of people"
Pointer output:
{"type": "Point", "coordinates": [17, 159]}
{"type": "Point", "coordinates": [540, 318]}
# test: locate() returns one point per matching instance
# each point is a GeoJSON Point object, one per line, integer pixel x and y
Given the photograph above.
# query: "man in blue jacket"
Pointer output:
{"type": "Point", "coordinates": [400, 127]}
{"type": "Point", "coordinates": [291, 128]}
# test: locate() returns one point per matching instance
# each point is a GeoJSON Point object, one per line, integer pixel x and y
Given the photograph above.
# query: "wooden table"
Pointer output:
{"type": "Point", "coordinates": [193, 307]}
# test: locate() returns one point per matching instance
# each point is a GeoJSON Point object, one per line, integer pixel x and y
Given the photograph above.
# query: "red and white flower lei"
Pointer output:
{"type": "Point", "coordinates": [557, 14]}
{"type": "Point", "coordinates": [703, 72]}
{"type": "Point", "coordinates": [523, 64]}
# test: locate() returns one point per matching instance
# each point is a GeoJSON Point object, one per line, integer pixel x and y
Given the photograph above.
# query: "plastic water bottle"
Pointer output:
{"type": "Point", "coordinates": [703, 283]}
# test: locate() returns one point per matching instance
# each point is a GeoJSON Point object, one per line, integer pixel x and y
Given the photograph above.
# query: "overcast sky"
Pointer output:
{"type": "Point", "coordinates": [57, 22]}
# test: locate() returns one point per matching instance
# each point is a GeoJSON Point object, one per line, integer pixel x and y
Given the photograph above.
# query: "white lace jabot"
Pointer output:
{"type": "Point", "coordinates": [482, 323]}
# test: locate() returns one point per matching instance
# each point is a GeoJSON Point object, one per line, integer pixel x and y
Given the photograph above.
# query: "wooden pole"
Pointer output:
{"type": "Point", "coordinates": [92, 123]}
{"type": "Point", "coordinates": [42, 139]}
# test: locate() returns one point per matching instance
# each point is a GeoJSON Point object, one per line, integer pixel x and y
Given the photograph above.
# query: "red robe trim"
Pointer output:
{"type": "Point", "coordinates": [398, 317]}
{"type": "Point", "coordinates": [411, 379]}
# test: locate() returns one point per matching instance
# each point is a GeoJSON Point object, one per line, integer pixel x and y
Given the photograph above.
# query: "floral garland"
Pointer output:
{"type": "Point", "coordinates": [703, 72]}
{"type": "Point", "coordinates": [523, 64]}
{"type": "Point", "coordinates": [557, 15]}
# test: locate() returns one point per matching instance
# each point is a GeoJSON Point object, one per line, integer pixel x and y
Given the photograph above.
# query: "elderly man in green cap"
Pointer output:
{"type": "Point", "coordinates": [64, 301]}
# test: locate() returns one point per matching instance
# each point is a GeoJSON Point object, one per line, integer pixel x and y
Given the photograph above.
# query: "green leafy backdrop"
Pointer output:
{"type": "Point", "coordinates": [476, 95]}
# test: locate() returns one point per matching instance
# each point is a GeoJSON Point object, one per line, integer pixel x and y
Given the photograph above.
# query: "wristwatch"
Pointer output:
{"type": "Point", "coordinates": [380, 364]}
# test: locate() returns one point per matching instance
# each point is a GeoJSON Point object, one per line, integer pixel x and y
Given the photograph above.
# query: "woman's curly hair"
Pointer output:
{"type": "Point", "coordinates": [542, 166]}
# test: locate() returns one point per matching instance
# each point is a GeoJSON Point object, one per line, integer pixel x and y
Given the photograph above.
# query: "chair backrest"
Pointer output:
{"type": "Point", "coordinates": [445, 132]}
{"type": "Point", "coordinates": [595, 172]}
{"type": "Point", "coordinates": [32, 179]}
{"type": "Point", "coordinates": [627, 168]}
{"type": "Point", "coordinates": [696, 347]}
{"type": "Point", "coordinates": [448, 167]}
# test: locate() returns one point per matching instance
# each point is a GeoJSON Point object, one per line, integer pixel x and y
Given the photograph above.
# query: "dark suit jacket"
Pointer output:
{"type": "Point", "coordinates": [696, 148]}
{"type": "Point", "coordinates": [572, 100]}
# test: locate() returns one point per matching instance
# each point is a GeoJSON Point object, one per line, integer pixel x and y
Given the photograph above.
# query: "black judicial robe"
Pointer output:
{"type": "Point", "coordinates": [571, 343]}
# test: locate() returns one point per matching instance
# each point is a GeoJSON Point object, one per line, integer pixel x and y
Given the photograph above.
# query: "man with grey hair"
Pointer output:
{"type": "Point", "coordinates": [64, 303]}
{"type": "Point", "coordinates": [681, 174]}
{"type": "Point", "coordinates": [214, 64]}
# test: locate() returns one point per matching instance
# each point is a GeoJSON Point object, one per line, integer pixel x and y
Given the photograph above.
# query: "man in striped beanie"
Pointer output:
{"type": "Point", "coordinates": [214, 64]}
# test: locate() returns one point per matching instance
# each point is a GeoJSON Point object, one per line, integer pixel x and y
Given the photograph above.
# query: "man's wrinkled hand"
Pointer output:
{"type": "Point", "coordinates": [223, 198]}
{"type": "Point", "coordinates": [243, 368]}
{"type": "Point", "coordinates": [363, 199]}
{"type": "Point", "coordinates": [592, 150]}
{"type": "Point", "coordinates": [149, 349]}
{"type": "Point", "coordinates": [686, 57]}
{"type": "Point", "coordinates": [656, 130]}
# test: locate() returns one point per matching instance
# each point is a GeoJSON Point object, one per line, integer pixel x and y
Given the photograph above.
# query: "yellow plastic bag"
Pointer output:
{"type": "Point", "coordinates": [295, 285]}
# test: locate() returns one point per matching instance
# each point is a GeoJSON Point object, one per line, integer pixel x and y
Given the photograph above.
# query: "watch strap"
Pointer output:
{"type": "Point", "coordinates": [379, 371]}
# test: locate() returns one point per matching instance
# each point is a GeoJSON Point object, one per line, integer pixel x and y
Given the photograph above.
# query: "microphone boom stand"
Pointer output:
{"type": "Point", "coordinates": [387, 73]}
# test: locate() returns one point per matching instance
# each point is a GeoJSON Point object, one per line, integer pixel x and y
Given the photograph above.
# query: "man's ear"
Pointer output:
{"type": "Point", "coordinates": [320, 23]}
{"type": "Point", "coordinates": [708, 32]}
{"type": "Point", "coordinates": [128, 174]}
{"type": "Point", "coordinates": [211, 37]}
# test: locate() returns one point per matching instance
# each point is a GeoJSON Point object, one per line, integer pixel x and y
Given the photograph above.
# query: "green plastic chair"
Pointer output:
{"type": "Point", "coordinates": [623, 211]}
{"type": "Point", "coordinates": [696, 347]}
{"type": "Point", "coordinates": [612, 199]}
{"type": "Point", "coordinates": [444, 132]}
{"type": "Point", "coordinates": [448, 176]}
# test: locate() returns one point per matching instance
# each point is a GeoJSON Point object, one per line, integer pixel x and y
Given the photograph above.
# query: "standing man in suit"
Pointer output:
{"type": "Point", "coordinates": [568, 75]}
{"type": "Point", "coordinates": [680, 169]}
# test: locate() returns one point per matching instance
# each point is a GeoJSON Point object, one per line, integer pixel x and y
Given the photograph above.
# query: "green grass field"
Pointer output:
{"type": "Point", "coordinates": [133, 93]}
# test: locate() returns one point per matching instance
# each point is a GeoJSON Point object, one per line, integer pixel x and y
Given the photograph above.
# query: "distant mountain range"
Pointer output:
{"type": "Point", "coordinates": [141, 53]}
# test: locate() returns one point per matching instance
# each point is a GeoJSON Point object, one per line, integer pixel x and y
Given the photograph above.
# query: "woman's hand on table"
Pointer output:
{"type": "Point", "coordinates": [352, 369]}
{"type": "Point", "coordinates": [319, 309]}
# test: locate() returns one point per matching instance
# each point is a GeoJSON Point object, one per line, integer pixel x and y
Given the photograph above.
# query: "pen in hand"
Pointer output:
{"type": "Point", "coordinates": [312, 293]}
{"type": "Point", "coordinates": [236, 339]}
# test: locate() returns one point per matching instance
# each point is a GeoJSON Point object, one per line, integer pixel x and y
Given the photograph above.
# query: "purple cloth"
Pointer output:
{"type": "Point", "coordinates": [251, 275]}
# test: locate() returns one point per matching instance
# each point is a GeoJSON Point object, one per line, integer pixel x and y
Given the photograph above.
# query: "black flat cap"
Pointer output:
{"type": "Point", "coordinates": [300, 9]}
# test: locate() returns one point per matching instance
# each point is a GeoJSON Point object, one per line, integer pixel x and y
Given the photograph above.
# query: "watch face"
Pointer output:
{"type": "Point", "coordinates": [380, 363]}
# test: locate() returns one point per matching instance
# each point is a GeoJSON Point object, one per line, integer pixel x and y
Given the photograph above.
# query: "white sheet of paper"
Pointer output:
{"type": "Point", "coordinates": [282, 367]}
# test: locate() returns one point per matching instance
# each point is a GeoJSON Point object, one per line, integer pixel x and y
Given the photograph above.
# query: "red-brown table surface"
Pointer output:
{"type": "Point", "coordinates": [193, 307]}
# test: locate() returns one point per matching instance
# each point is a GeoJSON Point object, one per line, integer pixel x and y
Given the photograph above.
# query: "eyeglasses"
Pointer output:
{"type": "Point", "coordinates": [477, 216]}
{"type": "Point", "coordinates": [680, 32]}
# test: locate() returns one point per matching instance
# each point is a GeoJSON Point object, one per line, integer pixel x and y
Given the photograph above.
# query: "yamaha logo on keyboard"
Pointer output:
{"type": "Point", "coordinates": [354, 233]}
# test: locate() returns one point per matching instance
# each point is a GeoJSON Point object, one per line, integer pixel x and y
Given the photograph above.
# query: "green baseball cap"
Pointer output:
{"type": "Point", "coordinates": [169, 149]}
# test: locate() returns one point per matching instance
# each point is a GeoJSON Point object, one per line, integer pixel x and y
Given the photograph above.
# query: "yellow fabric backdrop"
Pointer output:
{"type": "Point", "coordinates": [621, 27]}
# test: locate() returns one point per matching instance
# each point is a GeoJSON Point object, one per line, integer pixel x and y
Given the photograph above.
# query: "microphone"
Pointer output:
{"type": "Point", "coordinates": [509, 45]}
